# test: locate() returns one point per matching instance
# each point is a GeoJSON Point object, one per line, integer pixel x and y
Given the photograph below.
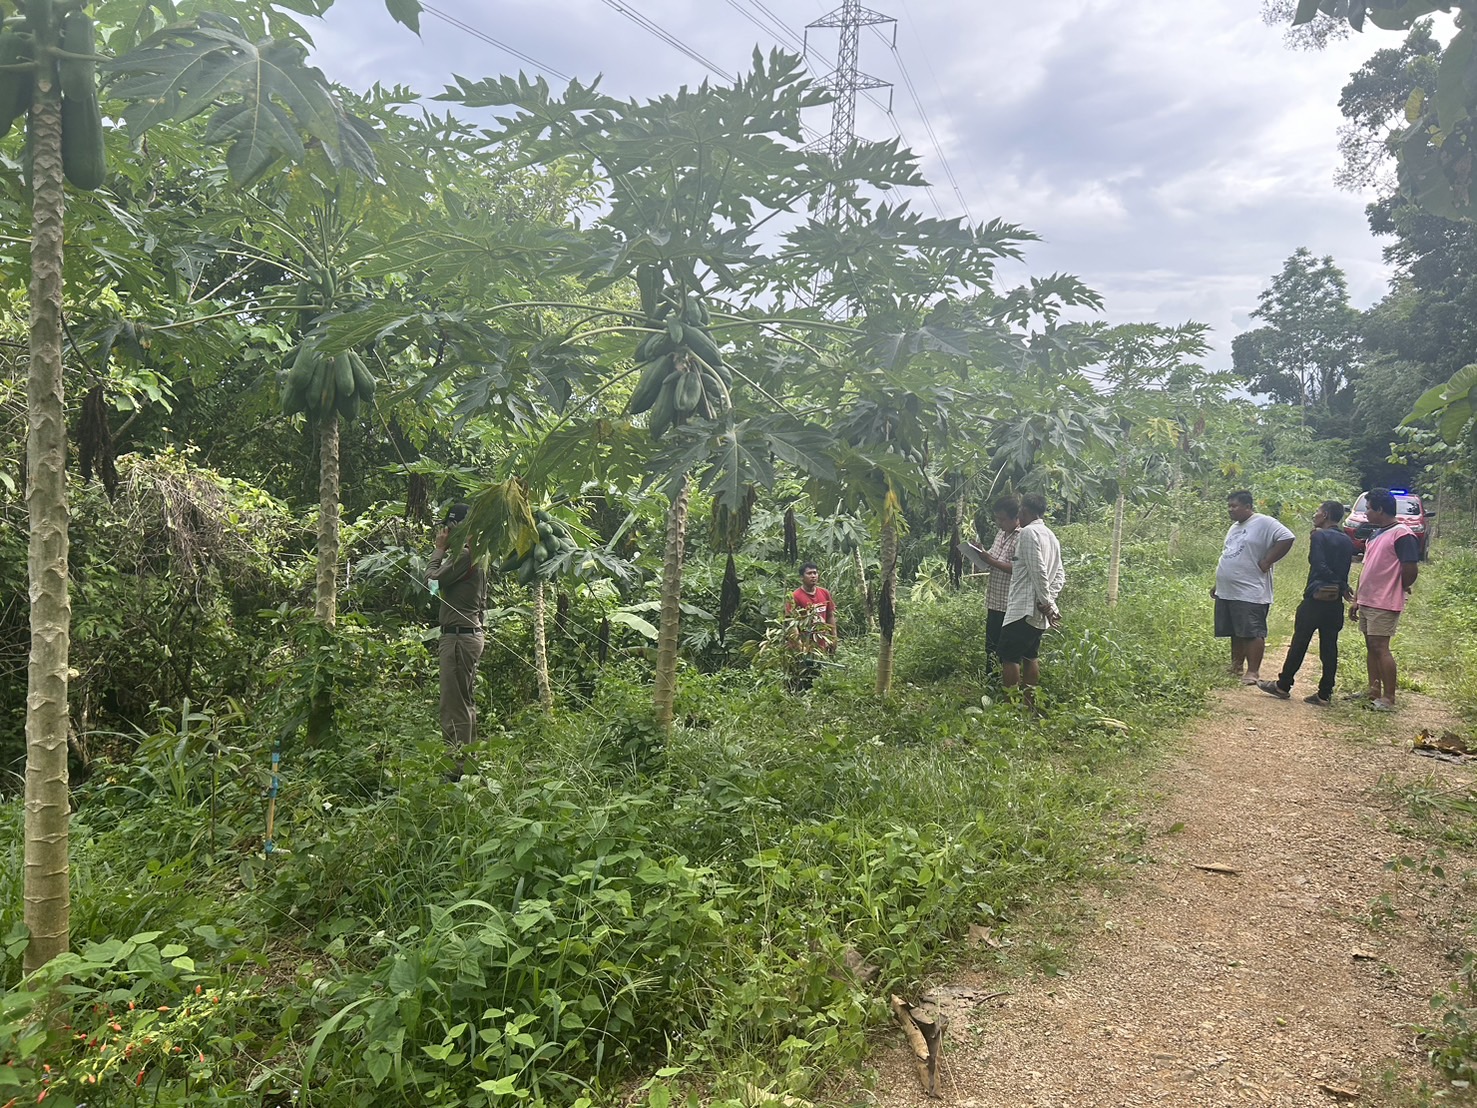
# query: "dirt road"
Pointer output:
{"type": "Point", "coordinates": [1292, 981]}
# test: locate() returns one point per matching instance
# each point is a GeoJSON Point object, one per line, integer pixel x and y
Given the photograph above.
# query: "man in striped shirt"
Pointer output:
{"type": "Point", "coordinates": [1000, 559]}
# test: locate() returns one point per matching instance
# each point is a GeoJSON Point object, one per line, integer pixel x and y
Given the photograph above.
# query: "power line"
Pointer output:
{"type": "Point", "coordinates": [503, 46]}
{"type": "Point", "coordinates": [666, 36]}
{"type": "Point", "coordinates": [775, 29]}
{"type": "Point", "coordinates": [927, 125]}
{"type": "Point", "coordinates": [939, 90]}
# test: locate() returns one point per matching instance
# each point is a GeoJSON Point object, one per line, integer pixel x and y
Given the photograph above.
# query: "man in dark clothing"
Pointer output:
{"type": "Point", "coordinates": [1330, 554]}
{"type": "Point", "coordinates": [462, 584]}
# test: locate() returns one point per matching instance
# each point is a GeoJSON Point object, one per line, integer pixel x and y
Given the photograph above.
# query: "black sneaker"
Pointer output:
{"type": "Point", "coordinates": [1274, 689]}
{"type": "Point", "coordinates": [1318, 701]}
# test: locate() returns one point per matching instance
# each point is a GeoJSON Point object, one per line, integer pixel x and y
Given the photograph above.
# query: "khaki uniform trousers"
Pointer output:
{"type": "Point", "coordinates": [459, 655]}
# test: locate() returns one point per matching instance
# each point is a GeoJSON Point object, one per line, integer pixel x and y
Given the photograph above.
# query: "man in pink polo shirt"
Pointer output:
{"type": "Point", "coordinates": [1391, 557]}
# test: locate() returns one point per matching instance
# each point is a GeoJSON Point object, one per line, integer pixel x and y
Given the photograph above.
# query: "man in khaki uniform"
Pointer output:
{"type": "Point", "coordinates": [462, 585]}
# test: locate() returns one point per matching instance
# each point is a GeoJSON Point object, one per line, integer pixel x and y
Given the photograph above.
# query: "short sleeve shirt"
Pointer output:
{"type": "Point", "coordinates": [820, 601]}
{"type": "Point", "coordinates": [997, 592]}
{"type": "Point", "coordinates": [1238, 577]}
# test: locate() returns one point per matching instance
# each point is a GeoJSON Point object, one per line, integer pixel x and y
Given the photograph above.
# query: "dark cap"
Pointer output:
{"type": "Point", "coordinates": [455, 514]}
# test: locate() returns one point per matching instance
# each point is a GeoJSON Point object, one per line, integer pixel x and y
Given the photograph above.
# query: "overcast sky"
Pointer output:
{"type": "Point", "coordinates": [1170, 154]}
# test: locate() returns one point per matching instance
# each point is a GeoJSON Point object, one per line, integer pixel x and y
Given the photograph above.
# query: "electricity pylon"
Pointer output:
{"type": "Point", "coordinates": [847, 80]}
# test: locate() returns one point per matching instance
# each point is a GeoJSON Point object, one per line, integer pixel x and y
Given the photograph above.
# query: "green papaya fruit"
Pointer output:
{"type": "Point", "coordinates": [689, 392]}
{"type": "Point", "coordinates": [15, 84]}
{"type": "Point", "coordinates": [703, 346]}
{"type": "Point", "coordinates": [664, 411]}
{"type": "Point", "coordinates": [84, 158]}
{"type": "Point", "coordinates": [364, 382]}
{"type": "Point", "coordinates": [653, 374]}
{"type": "Point", "coordinates": [649, 284]}
{"type": "Point", "coordinates": [77, 71]}
{"type": "Point", "coordinates": [343, 375]}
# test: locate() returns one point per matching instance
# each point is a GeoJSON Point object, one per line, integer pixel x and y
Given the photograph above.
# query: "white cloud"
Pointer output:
{"type": "Point", "coordinates": [1173, 155]}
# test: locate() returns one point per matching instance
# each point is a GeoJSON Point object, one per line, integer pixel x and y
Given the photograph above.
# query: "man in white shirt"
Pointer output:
{"type": "Point", "coordinates": [1243, 583]}
{"type": "Point", "coordinates": [1036, 581]}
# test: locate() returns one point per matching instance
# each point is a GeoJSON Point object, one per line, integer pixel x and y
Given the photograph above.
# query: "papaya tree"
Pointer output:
{"type": "Point", "coordinates": [1139, 361]}
{"type": "Point", "coordinates": [931, 339]}
{"type": "Point", "coordinates": [692, 179]}
{"type": "Point", "coordinates": [261, 94]}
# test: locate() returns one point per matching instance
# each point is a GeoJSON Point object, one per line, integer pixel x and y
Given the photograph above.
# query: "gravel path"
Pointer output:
{"type": "Point", "coordinates": [1195, 988]}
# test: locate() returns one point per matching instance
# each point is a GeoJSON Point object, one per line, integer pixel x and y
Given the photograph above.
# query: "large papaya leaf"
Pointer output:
{"type": "Point", "coordinates": [263, 94]}
{"type": "Point", "coordinates": [1451, 404]}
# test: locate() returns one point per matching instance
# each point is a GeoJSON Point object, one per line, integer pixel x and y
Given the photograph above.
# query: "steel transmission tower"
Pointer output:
{"type": "Point", "coordinates": [846, 81]}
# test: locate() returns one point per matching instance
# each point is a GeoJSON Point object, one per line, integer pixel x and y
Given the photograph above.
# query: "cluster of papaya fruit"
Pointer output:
{"type": "Point", "coordinates": [318, 384]}
{"type": "Point", "coordinates": [553, 540]}
{"type": "Point", "coordinates": [84, 163]}
{"type": "Point", "coordinates": [682, 370]}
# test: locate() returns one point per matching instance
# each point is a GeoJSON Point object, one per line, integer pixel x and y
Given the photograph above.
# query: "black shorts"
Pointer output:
{"type": "Point", "coordinates": [1240, 619]}
{"type": "Point", "coordinates": [994, 620]}
{"type": "Point", "coordinates": [1020, 641]}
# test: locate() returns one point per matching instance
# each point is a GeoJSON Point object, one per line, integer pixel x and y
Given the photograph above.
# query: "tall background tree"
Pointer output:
{"type": "Point", "coordinates": [1433, 143]}
{"type": "Point", "coordinates": [1306, 351]}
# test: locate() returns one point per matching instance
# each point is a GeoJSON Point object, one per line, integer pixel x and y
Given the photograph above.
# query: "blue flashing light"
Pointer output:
{"type": "Point", "coordinates": [1401, 492]}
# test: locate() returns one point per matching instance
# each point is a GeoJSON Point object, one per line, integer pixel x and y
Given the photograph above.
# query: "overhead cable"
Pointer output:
{"type": "Point", "coordinates": [503, 46]}
{"type": "Point", "coordinates": [927, 125]}
{"type": "Point", "coordinates": [666, 36]}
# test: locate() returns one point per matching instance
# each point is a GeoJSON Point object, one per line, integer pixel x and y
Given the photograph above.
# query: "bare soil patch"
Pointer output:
{"type": "Point", "coordinates": [1288, 982]}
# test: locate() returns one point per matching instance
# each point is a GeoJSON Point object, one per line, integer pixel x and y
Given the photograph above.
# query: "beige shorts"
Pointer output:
{"type": "Point", "coordinates": [1378, 622]}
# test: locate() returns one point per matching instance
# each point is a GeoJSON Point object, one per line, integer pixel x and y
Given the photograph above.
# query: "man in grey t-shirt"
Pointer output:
{"type": "Point", "coordinates": [1243, 583]}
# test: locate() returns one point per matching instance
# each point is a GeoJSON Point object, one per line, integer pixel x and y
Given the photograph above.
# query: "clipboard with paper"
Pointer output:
{"type": "Point", "coordinates": [976, 557]}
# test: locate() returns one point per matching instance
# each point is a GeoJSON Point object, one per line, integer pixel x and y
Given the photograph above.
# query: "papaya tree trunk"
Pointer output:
{"type": "Point", "coordinates": [46, 889]}
{"type": "Point", "coordinates": [1177, 506]}
{"type": "Point", "coordinates": [887, 609]}
{"type": "Point", "coordinates": [325, 607]}
{"type": "Point", "coordinates": [664, 689]}
{"type": "Point", "coordinates": [541, 648]}
{"type": "Point", "coordinates": [866, 588]}
{"type": "Point", "coordinates": [1116, 557]}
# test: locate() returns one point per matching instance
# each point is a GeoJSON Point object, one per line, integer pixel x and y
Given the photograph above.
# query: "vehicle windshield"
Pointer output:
{"type": "Point", "coordinates": [1404, 505]}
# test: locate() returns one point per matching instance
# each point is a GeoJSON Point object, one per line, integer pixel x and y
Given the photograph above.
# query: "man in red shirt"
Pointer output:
{"type": "Point", "coordinates": [811, 595]}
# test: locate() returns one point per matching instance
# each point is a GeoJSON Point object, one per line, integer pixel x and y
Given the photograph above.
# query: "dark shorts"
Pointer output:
{"type": "Point", "coordinates": [1240, 619]}
{"type": "Point", "coordinates": [994, 621]}
{"type": "Point", "coordinates": [1019, 641]}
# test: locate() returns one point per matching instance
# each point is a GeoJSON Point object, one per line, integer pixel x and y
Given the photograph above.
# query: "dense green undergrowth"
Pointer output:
{"type": "Point", "coordinates": [595, 910]}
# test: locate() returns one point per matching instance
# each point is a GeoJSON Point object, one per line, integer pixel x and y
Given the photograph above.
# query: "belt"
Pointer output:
{"type": "Point", "coordinates": [452, 629]}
